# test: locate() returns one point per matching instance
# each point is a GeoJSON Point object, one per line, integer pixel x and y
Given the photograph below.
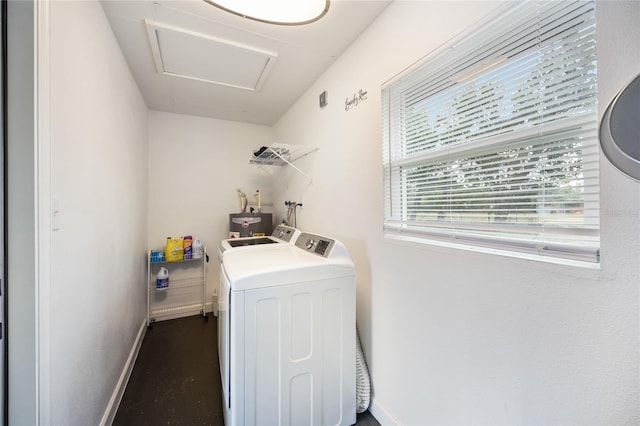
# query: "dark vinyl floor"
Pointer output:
{"type": "Point", "coordinates": [176, 378]}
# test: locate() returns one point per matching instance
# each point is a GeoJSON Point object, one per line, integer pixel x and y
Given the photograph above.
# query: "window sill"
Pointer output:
{"type": "Point", "coordinates": [589, 270]}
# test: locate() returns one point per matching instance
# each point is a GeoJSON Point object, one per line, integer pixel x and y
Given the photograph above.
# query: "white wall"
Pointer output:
{"type": "Point", "coordinates": [99, 175]}
{"type": "Point", "coordinates": [459, 337]}
{"type": "Point", "coordinates": [196, 166]}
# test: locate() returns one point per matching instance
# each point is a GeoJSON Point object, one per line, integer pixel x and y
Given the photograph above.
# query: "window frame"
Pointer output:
{"type": "Point", "coordinates": [404, 230]}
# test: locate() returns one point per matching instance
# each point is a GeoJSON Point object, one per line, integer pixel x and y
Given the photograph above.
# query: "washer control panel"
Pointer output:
{"type": "Point", "coordinates": [315, 244]}
{"type": "Point", "coordinates": [283, 233]}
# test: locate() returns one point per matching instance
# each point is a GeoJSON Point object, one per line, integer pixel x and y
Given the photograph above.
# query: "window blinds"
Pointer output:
{"type": "Point", "coordinates": [493, 141]}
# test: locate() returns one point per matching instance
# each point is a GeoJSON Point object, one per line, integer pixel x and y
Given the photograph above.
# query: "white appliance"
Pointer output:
{"type": "Point", "coordinates": [281, 234]}
{"type": "Point", "coordinates": [288, 334]}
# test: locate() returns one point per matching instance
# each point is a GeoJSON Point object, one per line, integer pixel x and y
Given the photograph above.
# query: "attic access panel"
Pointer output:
{"type": "Point", "coordinates": [182, 53]}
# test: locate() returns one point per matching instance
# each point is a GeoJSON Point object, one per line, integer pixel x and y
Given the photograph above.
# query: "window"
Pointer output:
{"type": "Point", "coordinates": [492, 141]}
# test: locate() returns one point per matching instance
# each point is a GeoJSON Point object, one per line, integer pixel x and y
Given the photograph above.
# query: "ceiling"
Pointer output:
{"type": "Point", "coordinates": [191, 58]}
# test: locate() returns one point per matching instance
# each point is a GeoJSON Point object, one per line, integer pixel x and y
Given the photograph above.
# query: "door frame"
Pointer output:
{"type": "Point", "coordinates": [44, 212]}
{"type": "Point", "coordinates": [5, 241]}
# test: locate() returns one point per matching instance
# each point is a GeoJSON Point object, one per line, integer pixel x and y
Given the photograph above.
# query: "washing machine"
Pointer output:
{"type": "Point", "coordinates": [287, 350]}
{"type": "Point", "coordinates": [281, 234]}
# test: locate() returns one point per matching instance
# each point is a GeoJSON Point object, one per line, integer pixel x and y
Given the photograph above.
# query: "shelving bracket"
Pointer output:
{"type": "Point", "coordinates": [281, 155]}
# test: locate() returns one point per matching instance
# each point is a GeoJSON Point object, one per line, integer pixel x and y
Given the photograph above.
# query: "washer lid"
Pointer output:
{"type": "Point", "coordinates": [281, 264]}
{"type": "Point", "coordinates": [252, 241]}
{"type": "Point", "coordinates": [282, 234]}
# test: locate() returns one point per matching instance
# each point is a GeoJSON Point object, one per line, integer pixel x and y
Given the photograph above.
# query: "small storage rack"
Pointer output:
{"type": "Point", "coordinates": [279, 154]}
{"type": "Point", "coordinates": [186, 293]}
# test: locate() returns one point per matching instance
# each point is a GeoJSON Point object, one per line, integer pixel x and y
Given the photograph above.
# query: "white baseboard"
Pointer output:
{"type": "Point", "coordinates": [183, 311]}
{"type": "Point", "coordinates": [112, 408]}
{"type": "Point", "coordinates": [382, 415]}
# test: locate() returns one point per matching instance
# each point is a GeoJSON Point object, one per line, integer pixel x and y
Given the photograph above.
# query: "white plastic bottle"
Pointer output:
{"type": "Point", "coordinates": [196, 249]}
{"type": "Point", "coordinates": [162, 280]}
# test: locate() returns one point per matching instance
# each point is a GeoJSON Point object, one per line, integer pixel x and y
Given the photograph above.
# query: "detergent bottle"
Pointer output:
{"type": "Point", "coordinates": [162, 279]}
{"type": "Point", "coordinates": [174, 249]}
{"type": "Point", "coordinates": [187, 244]}
{"type": "Point", "coordinates": [197, 249]}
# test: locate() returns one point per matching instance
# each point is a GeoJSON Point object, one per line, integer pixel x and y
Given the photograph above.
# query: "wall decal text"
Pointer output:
{"type": "Point", "coordinates": [353, 101]}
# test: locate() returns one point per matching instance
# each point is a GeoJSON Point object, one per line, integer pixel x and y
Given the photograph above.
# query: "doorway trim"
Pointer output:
{"type": "Point", "coordinates": [5, 224]}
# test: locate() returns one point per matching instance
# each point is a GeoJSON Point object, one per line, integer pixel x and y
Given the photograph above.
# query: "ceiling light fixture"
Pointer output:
{"type": "Point", "coordinates": [280, 12]}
